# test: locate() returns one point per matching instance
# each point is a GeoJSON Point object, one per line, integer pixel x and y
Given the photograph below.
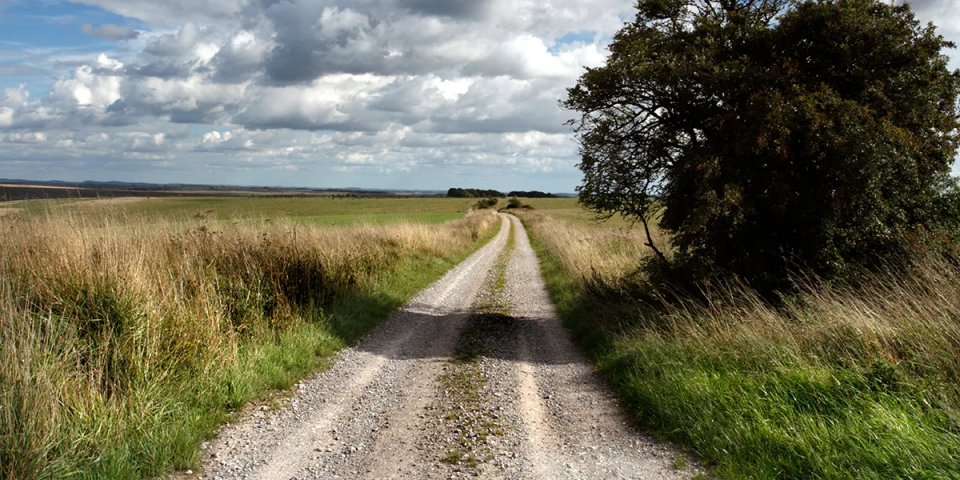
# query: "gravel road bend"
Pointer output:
{"type": "Point", "coordinates": [475, 377]}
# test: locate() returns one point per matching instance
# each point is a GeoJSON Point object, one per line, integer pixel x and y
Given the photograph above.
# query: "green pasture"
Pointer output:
{"type": "Point", "coordinates": [568, 209]}
{"type": "Point", "coordinates": [380, 218]}
{"type": "Point", "coordinates": [322, 210]}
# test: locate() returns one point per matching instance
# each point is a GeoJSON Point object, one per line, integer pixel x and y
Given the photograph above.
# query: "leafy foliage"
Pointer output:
{"type": "Point", "coordinates": [486, 203]}
{"type": "Point", "coordinates": [473, 193]}
{"type": "Point", "coordinates": [531, 194]}
{"type": "Point", "coordinates": [819, 139]}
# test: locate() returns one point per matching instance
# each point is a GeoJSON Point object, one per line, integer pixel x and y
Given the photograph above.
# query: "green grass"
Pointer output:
{"type": "Point", "coordinates": [758, 403]}
{"type": "Point", "coordinates": [261, 208]}
{"type": "Point", "coordinates": [380, 218]}
{"type": "Point", "coordinates": [569, 210]}
{"type": "Point", "coordinates": [464, 382]}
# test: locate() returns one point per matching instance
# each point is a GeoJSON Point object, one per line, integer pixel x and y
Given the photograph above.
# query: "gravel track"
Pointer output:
{"type": "Point", "coordinates": [382, 411]}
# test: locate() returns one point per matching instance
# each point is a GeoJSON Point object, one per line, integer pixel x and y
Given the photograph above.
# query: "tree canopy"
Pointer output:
{"type": "Point", "coordinates": [766, 137]}
{"type": "Point", "coordinates": [531, 194]}
{"type": "Point", "coordinates": [473, 193]}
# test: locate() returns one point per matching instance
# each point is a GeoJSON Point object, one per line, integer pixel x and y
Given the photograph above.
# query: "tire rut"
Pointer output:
{"type": "Point", "coordinates": [574, 427]}
{"type": "Point", "coordinates": [334, 419]}
{"type": "Point", "coordinates": [386, 409]}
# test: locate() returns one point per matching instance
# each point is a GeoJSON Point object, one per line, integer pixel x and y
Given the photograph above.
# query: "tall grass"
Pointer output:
{"type": "Point", "coordinates": [587, 250]}
{"type": "Point", "coordinates": [835, 382]}
{"type": "Point", "coordinates": [122, 346]}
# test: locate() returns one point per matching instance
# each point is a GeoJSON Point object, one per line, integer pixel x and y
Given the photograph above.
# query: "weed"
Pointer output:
{"type": "Point", "coordinates": [464, 381]}
{"type": "Point", "coordinates": [453, 457]}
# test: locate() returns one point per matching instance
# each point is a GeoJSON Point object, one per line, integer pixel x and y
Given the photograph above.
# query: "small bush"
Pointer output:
{"type": "Point", "coordinates": [486, 203]}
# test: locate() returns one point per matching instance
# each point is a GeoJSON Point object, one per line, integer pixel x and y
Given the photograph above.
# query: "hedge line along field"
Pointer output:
{"type": "Point", "coordinates": [124, 342]}
{"type": "Point", "coordinates": [836, 383]}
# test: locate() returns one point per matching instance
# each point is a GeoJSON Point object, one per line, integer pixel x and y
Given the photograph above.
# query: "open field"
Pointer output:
{"type": "Point", "coordinates": [26, 190]}
{"type": "Point", "coordinates": [838, 382]}
{"type": "Point", "coordinates": [568, 209]}
{"type": "Point", "coordinates": [124, 342]}
{"type": "Point", "coordinates": [315, 210]}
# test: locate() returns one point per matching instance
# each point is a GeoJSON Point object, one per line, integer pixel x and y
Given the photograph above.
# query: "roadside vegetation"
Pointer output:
{"type": "Point", "coordinates": [837, 381]}
{"type": "Point", "coordinates": [789, 306]}
{"type": "Point", "coordinates": [123, 344]}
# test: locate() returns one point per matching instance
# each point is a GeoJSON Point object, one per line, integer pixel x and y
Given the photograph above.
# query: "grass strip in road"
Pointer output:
{"type": "Point", "coordinates": [463, 380]}
{"type": "Point", "coordinates": [840, 385]}
{"type": "Point", "coordinates": [122, 350]}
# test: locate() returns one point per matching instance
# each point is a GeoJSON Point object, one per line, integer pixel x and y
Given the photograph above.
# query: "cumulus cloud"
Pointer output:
{"type": "Point", "coordinates": [170, 11]}
{"type": "Point", "coordinates": [359, 87]}
{"type": "Point", "coordinates": [110, 31]}
{"type": "Point", "coordinates": [944, 13]}
{"type": "Point", "coordinates": [174, 45]}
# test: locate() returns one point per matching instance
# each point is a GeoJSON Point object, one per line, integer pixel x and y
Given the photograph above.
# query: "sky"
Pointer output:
{"type": "Point", "coordinates": [398, 94]}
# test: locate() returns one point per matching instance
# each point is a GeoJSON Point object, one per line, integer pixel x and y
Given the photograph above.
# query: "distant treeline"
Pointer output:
{"type": "Point", "coordinates": [474, 193]}
{"type": "Point", "coordinates": [531, 194]}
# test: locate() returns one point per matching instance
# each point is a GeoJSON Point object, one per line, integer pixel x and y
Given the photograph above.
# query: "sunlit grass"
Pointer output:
{"type": "Point", "coordinates": [248, 208]}
{"type": "Point", "coordinates": [125, 342]}
{"type": "Point", "coordinates": [836, 382]}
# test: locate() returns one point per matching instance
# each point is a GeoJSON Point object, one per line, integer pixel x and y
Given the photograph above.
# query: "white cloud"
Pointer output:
{"type": "Point", "coordinates": [16, 97]}
{"type": "Point", "coordinates": [172, 45]}
{"type": "Point", "coordinates": [170, 11]}
{"type": "Point", "coordinates": [97, 85]}
{"type": "Point", "coordinates": [110, 31]}
{"type": "Point", "coordinates": [26, 138]}
{"type": "Point", "coordinates": [442, 89]}
{"type": "Point", "coordinates": [6, 117]}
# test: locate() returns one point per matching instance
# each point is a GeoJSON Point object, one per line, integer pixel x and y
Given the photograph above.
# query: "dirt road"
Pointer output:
{"type": "Point", "coordinates": [474, 378]}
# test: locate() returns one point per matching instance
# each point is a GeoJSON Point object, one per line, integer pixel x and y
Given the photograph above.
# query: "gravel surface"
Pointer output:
{"type": "Point", "coordinates": [407, 402]}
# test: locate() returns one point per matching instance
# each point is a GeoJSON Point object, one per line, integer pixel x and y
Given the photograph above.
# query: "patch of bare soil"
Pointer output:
{"type": "Point", "coordinates": [475, 377]}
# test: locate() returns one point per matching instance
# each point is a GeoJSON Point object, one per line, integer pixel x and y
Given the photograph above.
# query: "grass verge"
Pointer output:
{"type": "Point", "coordinates": [123, 347]}
{"type": "Point", "coordinates": [838, 383]}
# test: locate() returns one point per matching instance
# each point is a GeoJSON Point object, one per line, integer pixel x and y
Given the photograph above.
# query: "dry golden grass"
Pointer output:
{"type": "Point", "coordinates": [837, 381]}
{"type": "Point", "coordinates": [102, 324]}
{"type": "Point", "coordinates": [586, 250]}
{"type": "Point", "coordinates": [889, 315]}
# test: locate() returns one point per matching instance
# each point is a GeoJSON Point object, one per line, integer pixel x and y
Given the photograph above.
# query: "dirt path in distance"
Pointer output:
{"type": "Point", "coordinates": [475, 377]}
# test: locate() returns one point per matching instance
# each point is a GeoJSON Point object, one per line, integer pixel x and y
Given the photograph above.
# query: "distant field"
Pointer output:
{"type": "Point", "coordinates": [568, 209]}
{"type": "Point", "coordinates": [317, 210]}
{"type": "Point", "coordinates": [321, 210]}
{"type": "Point", "coordinates": [381, 218]}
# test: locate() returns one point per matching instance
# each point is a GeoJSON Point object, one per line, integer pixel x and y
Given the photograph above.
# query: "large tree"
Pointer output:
{"type": "Point", "coordinates": [767, 136]}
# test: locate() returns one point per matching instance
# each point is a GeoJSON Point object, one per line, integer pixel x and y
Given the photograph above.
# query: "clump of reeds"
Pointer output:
{"type": "Point", "coordinates": [109, 331]}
